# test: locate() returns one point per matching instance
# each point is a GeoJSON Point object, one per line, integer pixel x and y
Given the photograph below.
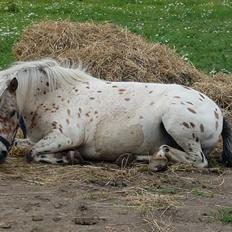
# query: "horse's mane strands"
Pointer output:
{"type": "Point", "coordinates": [29, 76]}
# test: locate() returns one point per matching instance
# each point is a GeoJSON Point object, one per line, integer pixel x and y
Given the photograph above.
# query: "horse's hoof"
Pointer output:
{"type": "Point", "coordinates": [157, 169]}
{"type": "Point", "coordinates": [157, 165]}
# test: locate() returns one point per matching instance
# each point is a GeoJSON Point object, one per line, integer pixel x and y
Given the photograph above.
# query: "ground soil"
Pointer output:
{"type": "Point", "coordinates": [39, 197]}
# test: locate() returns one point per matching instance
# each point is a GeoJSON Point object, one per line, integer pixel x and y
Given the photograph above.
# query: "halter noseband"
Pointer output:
{"type": "Point", "coordinates": [5, 143]}
{"type": "Point", "coordinates": [20, 124]}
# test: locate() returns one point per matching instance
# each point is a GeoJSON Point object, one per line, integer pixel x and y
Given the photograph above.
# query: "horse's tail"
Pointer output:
{"type": "Point", "coordinates": [227, 143]}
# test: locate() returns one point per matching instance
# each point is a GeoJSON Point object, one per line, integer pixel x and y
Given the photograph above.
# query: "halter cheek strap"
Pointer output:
{"type": "Point", "coordinates": [5, 142]}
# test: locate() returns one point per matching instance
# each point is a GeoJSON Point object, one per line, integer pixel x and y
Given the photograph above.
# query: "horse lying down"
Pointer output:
{"type": "Point", "coordinates": [65, 109]}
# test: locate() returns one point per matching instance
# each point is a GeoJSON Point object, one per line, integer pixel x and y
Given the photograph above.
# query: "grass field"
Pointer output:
{"type": "Point", "coordinates": [200, 31]}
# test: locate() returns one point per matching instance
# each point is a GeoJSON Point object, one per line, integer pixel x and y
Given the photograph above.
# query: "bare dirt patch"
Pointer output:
{"type": "Point", "coordinates": [104, 197]}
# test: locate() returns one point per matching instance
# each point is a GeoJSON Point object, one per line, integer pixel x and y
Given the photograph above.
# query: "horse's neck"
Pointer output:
{"type": "Point", "coordinates": [32, 101]}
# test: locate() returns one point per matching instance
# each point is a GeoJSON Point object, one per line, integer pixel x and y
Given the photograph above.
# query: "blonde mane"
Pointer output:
{"type": "Point", "coordinates": [31, 74]}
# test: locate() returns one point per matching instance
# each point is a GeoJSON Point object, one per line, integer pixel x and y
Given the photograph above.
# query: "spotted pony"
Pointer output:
{"type": "Point", "coordinates": [69, 114]}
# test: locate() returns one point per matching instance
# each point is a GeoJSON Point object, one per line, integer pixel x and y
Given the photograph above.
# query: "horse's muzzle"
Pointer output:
{"type": "Point", "coordinates": [3, 155]}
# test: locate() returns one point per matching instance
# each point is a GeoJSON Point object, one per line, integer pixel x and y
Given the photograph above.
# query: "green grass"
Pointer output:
{"type": "Point", "coordinates": [200, 31]}
{"type": "Point", "coordinates": [200, 193]}
{"type": "Point", "coordinates": [224, 215]}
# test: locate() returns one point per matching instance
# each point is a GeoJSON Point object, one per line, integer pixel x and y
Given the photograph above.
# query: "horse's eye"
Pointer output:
{"type": "Point", "coordinates": [12, 113]}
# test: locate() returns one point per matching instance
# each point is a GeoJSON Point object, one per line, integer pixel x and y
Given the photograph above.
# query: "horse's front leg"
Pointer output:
{"type": "Point", "coordinates": [51, 148]}
{"type": "Point", "coordinates": [66, 157]}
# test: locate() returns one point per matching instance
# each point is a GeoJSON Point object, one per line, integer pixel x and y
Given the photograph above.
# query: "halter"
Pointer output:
{"type": "Point", "coordinates": [20, 124]}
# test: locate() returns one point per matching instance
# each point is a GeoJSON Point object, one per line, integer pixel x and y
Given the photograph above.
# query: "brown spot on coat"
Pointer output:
{"type": "Point", "coordinates": [151, 92]}
{"type": "Point", "coordinates": [190, 103]}
{"type": "Point", "coordinates": [192, 124]}
{"type": "Point", "coordinates": [92, 98]}
{"type": "Point", "coordinates": [186, 87]}
{"type": "Point", "coordinates": [201, 96]}
{"type": "Point", "coordinates": [176, 97]}
{"type": "Point", "coordinates": [67, 120]}
{"type": "Point", "coordinates": [202, 128]}
{"type": "Point", "coordinates": [202, 157]}
{"type": "Point", "coordinates": [54, 124]}
{"type": "Point", "coordinates": [152, 103]}
{"type": "Point", "coordinates": [114, 86]}
{"type": "Point", "coordinates": [69, 112]}
{"type": "Point", "coordinates": [216, 115]}
{"type": "Point", "coordinates": [99, 91]}
{"type": "Point", "coordinates": [127, 99]}
{"type": "Point", "coordinates": [191, 110]}
{"type": "Point", "coordinates": [185, 124]}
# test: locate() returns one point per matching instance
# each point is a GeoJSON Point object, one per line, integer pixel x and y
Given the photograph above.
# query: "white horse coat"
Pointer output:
{"type": "Point", "coordinates": [67, 109]}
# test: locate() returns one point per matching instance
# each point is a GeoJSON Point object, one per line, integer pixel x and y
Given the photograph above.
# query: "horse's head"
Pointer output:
{"type": "Point", "coordinates": [8, 117]}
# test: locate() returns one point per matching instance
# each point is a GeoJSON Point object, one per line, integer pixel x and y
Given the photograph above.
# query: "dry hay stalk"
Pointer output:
{"type": "Point", "coordinates": [219, 88]}
{"type": "Point", "coordinates": [109, 51]}
{"type": "Point", "coordinates": [159, 225]}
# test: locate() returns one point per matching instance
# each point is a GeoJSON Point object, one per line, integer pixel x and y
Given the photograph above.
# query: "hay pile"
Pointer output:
{"type": "Point", "coordinates": [113, 53]}
{"type": "Point", "coordinates": [109, 51]}
{"type": "Point", "coordinates": [219, 88]}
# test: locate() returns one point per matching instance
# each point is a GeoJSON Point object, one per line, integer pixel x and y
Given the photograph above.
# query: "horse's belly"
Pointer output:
{"type": "Point", "coordinates": [116, 135]}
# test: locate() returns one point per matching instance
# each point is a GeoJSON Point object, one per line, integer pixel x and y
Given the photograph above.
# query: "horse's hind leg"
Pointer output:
{"type": "Point", "coordinates": [181, 146]}
{"type": "Point", "coordinates": [193, 155]}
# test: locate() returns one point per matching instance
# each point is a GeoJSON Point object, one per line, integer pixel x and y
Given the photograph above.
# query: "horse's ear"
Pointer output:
{"type": "Point", "coordinates": [13, 85]}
